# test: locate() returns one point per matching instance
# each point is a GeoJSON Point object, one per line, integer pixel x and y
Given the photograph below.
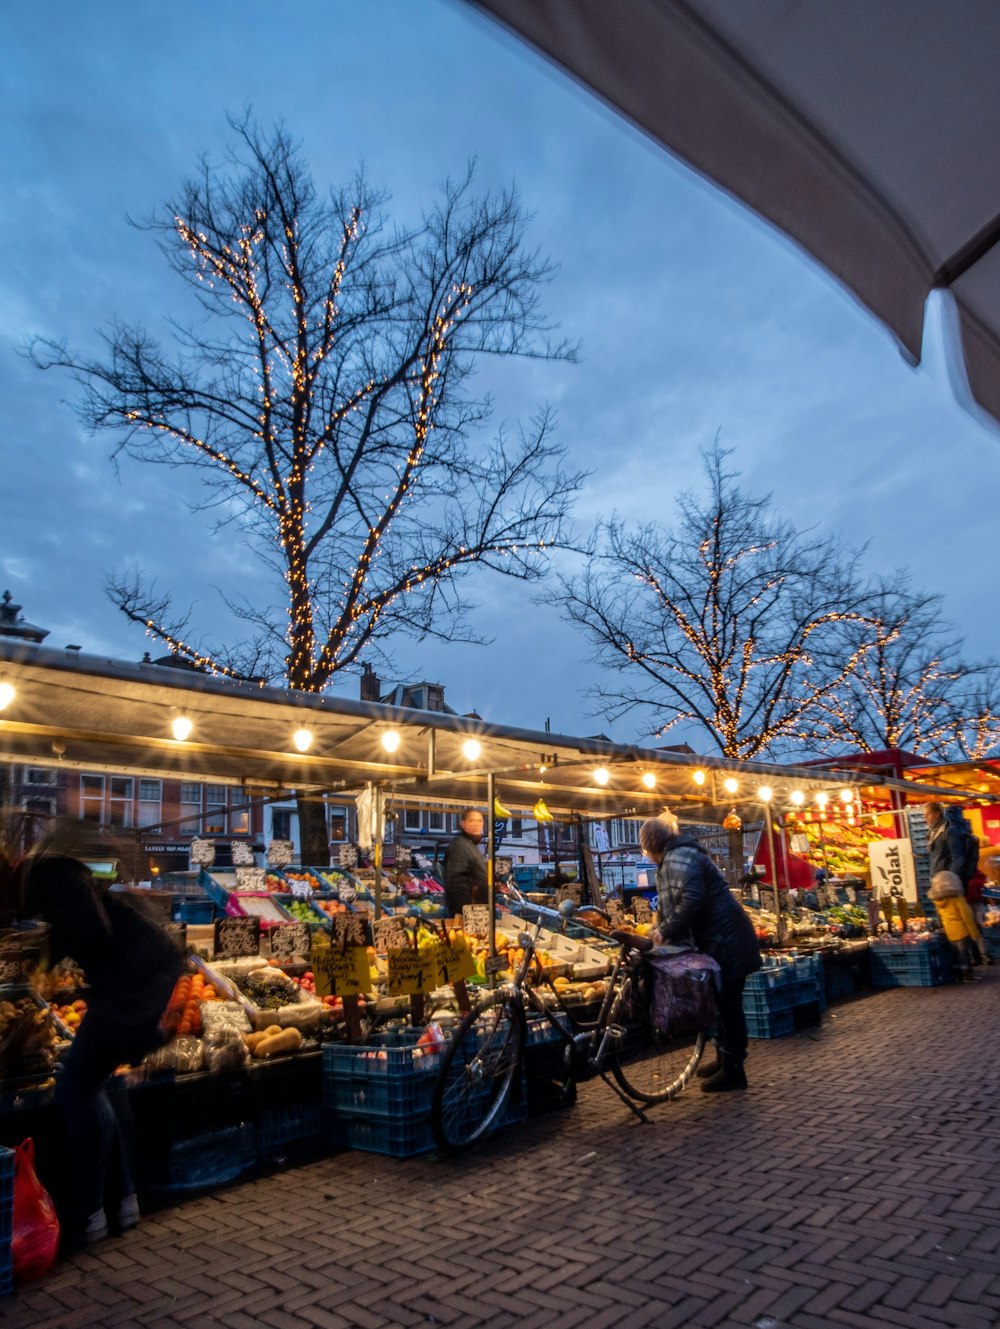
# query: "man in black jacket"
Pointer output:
{"type": "Point", "coordinates": [464, 865]}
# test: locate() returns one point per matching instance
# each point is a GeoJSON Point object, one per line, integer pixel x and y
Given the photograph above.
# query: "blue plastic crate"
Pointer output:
{"type": "Point", "coordinates": [389, 1077]}
{"type": "Point", "coordinates": [771, 1026]}
{"type": "Point", "coordinates": [400, 1138]}
{"type": "Point", "coordinates": [195, 910]}
{"type": "Point", "coordinates": [839, 982]}
{"type": "Point", "coordinates": [294, 1124]}
{"type": "Point", "coordinates": [6, 1220]}
{"type": "Point", "coordinates": [209, 1159]}
{"type": "Point", "coordinates": [762, 1002]}
{"type": "Point", "coordinates": [911, 964]}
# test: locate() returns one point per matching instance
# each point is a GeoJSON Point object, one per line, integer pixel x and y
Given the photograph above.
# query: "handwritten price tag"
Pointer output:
{"type": "Point", "coordinates": [237, 936]}
{"type": "Point", "coordinates": [476, 919]}
{"type": "Point", "coordinates": [203, 852]}
{"type": "Point", "coordinates": [350, 930]}
{"type": "Point", "coordinates": [389, 934]}
{"type": "Point", "coordinates": [279, 853]}
{"type": "Point", "coordinates": [340, 973]}
{"type": "Point", "coordinates": [242, 854]}
{"type": "Point", "coordinates": [454, 961]}
{"type": "Point", "coordinates": [251, 879]}
{"type": "Point", "coordinates": [412, 971]}
{"type": "Point", "coordinates": [641, 909]}
{"type": "Point", "coordinates": [290, 941]}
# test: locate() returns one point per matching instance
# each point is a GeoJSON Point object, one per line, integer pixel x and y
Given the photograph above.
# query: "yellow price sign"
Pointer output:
{"type": "Point", "coordinates": [455, 961]}
{"type": "Point", "coordinates": [412, 971]}
{"type": "Point", "coordinates": [340, 973]}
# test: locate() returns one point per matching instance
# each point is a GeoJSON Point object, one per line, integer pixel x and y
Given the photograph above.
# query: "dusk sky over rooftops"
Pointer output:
{"type": "Point", "coordinates": [694, 319]}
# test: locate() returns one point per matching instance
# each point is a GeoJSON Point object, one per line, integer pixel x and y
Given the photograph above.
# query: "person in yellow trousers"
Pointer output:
{"type": "Point", "coordinates": [957, 919]}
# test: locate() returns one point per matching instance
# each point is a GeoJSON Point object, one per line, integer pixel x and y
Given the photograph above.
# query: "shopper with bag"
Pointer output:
{"type": "Point", "coordinates": [957, 919]}
{"type": "Point", "coordinates": [696, 906]}
{"type": "Point", "coordinates": [131, 966]}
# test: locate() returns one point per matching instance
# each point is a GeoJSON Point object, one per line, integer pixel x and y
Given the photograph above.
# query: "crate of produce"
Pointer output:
{"type": "Point", "coordinates": [217, 886]}
{"type": "Point", "coordinates": [212, 1158]}
{"type": "Point", "coordinates": [910, 964]}
{"type": "Point", "coordinates": [377, 1096]}
{"type": "Point", "coordinates": [6, 1219]}
{"type": "Point", "coordinates": [256, 904]}
{"type": "Point", "coordinates": [776, 1025]}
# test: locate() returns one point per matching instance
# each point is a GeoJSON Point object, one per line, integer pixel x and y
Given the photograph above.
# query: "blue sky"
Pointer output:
{"type": "Point", "coordinates": [693, 316]}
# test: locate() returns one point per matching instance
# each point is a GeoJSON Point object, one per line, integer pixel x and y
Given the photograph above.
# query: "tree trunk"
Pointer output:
{"type": "Point", "coordinates": [313, 835]}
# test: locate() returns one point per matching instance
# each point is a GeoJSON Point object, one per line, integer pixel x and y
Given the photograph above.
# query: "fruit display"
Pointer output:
{"type": "Point", "coordinates": [28, 1039]}
{"type": "Point", "coordinates": [302, 910]}
{"type": "Point", "coordinates": [70, 1013]}
{"type": "Point", "coordinates": [183, 1013]}
{"type": "Point", "coordinates": [836, 846]}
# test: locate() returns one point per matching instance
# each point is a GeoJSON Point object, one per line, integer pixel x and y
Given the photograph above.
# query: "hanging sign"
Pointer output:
{"type": "Point", "coordinates": [251, 879]}
{"type": "Point", "coordinates": [799, 843]}
{"type": "Point", "coordinates": [280, 853]}
{"type": "Point", "coordinates": [476, 919]}
{"type": "Point", "coordinates": [12, 961]}
{"type": "Point", "coordinates": [641, 909]}
{"type": "Point", "coordinates": [203, 852]}
{"type": "Point", "coordinates": [237, 936]}
{"type": "Point", "coordinates": [892, 869]}
{"type": "Point", "coordinates": [290, 941]}
{"type": "Point", "coordinates": [454, 958]}
{"type": "Point", "coordinates": [615, 912]}
{"type": "Point", "coordinates": [412, 970]}
{"type": "Point", "coordinates": [340, 971]}
{"type": "Point", "coordinates": [351, 929]}
{"type": "Point", "coordinates": [242, 852]}
{"type": "Point", "coordinates": [388, 934]}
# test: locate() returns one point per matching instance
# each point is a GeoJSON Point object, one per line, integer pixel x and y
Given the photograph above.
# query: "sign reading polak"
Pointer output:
{"type": "Point", "coordinates": [892, 869]}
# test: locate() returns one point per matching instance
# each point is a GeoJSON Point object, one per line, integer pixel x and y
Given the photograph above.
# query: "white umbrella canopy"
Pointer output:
{"type": "Point", "coordinates": [867, 130]}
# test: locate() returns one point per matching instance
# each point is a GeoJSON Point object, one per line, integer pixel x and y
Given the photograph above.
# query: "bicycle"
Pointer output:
{"type": "Point", "coordinates": [481, 1065]}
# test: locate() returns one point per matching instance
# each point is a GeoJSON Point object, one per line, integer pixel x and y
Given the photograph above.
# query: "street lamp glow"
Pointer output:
{"type": "Point", "coordinates": [7, 694]}
{"type": "Point", "coordinates": [391, 740]}
{"type": "Point", "coordinates": [601, 775]}
{"type": "Point", "coordinates": [471, 749]}
{"type": "Point", "coordinates": [765, 793]}
{"type": "Point", "coordinates": [730, 785]}
{"type": "Point", "coordinates": [181, 728]}
{"type": "Point", "coordinates": [698, 777]}
{"type": "Point", "coordinates": [302, 738]}
{"type": "Point", "coordinates": [649, 779]}
{"type": "Point", "coordinates": [821, 799]}
{"type": "Point", "coordinates": [847, 795]}
{"type": "Point", "coordinates": [798, 797]}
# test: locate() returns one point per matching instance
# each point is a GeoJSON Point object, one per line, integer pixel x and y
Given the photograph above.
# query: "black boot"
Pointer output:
{"type": "Point", "coordinates": [730, 1075]}
{"type": "Point", "coordinates": [712, 1067]}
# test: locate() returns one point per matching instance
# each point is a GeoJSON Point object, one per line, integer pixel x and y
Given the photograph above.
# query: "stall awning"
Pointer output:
{"type": "Point", "coordinates": [92, 714]}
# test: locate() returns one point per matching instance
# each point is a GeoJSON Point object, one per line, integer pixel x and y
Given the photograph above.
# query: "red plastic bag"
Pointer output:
{"type": "Point", "coordinates": [36, 1224]}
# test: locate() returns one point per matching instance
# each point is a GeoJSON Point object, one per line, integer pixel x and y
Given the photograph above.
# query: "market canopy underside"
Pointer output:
{"type": "Point", "coordinates": [87, 713]}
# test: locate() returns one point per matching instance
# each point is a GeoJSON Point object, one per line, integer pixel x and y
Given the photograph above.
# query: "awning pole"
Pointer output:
{"type": "Point", "coordinates": [379, 804]}
{"type": "Point", "coordinates": [490, 860]}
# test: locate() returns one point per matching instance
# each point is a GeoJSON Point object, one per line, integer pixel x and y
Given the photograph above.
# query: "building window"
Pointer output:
{"type": "Point", "coordinates": [411, 819]}
{"type": "Point", "coordinates": [281, 823]}
{"type": "Point", "coordinates": [516, 828]}
{"type": "Point", "coordinates": [435, 699]}
{"type": "Point", "coordinates": [38, 775]}
{"type": "Point", "coordinates": [120, 801]}
{"type": "Point", "coordinates": [239, 821]}
{"type": "Point", "coordinates": [436, 821]}
{"type": "Point", "coordinates": [150, 802]}
{"type": "Point", "coordinates": [338, 824]}
{"type": "Point", "coordinates": [216, 799]}
{"type": "Point", "coordinates": [92, 797]}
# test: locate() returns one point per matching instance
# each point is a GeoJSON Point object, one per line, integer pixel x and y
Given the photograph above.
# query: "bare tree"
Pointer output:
{"type": "Point", "coordinates": [732, 620]}
{"type": "Point", "coordinates": [326, 396]}
{"type": "Point", "coordinates": [912, 690]}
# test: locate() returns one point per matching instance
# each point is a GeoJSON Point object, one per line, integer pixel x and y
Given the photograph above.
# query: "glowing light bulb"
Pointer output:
{"type": "Point", "coordinates": [391, 740]}
{"type": "Point", "coordinates": [471, 749]}
{"type": "Point", "coordinates": [601, 775]}
{"type": "Point", "coordinates": [649, 780]}
{"type": "Point", "coordinates": [302, 738]}
{"type": "Point", "coordinates": [847, 795]}
{"type": "Point", "coordinates": [698, 777]}
{"type": "Point", "coordinates": [821, 799]}
{"type": "Point", "coordinates": [765, 793]}
{"type": "Point", "coordinates": [798, 797]}
{"type": "Point", "coordinates": [7, 694]}
{"type": "Point", "coordinates": [730, 785]}
{"type": "Point", "coordinates": [181, 728]}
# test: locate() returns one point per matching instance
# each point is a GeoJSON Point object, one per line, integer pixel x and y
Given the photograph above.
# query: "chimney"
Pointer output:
{"type": "Point", "coordinates": [371, 685]}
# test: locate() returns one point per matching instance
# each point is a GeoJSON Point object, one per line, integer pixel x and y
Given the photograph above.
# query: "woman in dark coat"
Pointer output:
{"type": "Point", "coordinates": [696, 905]}
{"type": "Point", "coordinates": [131, 966]}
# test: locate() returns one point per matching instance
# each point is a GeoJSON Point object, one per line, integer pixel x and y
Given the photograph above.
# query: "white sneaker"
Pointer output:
{"type": "Point", "coordinates": [128, 1213]}
{"type": "Point", "coordinates": [96, 1228]}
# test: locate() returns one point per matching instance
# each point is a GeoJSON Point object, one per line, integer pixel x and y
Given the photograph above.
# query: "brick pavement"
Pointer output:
{"type": "Point", "coordinates": [857, 1184]}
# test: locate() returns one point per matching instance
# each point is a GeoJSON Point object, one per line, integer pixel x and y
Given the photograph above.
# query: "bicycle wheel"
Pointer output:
{"type": "Point", "coordinates": [477, 1072]}
{"type": "Point", "coordinates": [652, 1068]}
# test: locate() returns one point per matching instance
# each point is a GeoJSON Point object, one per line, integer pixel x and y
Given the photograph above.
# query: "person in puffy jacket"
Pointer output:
{"type": "Point", "coordinates": [696, 905]}
{"type": "Point", "coordinates": [131, 966]}
{"type": "Point", "coordinates": [465, 880]}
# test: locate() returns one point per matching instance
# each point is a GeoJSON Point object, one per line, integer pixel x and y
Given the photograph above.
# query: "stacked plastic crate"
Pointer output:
{"type": "Point", "coordinates": [784, 995]}
{"type": "Point", "coordinates": [910, 963]}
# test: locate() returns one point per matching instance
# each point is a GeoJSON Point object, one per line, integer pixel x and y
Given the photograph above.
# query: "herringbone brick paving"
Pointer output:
{"type": "Point", "coordinates": [856, 1184]}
